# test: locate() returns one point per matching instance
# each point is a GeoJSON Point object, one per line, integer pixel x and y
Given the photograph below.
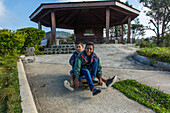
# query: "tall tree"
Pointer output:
{"type": "Point", "coordinates": [159, 12]}
{"type": "Point", "coordinates": [138, 29]}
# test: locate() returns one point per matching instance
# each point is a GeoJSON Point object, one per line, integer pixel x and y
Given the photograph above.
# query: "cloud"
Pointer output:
{"type": "Point", "coordinates": [1, 28]}
{"type": "Point", "coordinates": [2, 8]}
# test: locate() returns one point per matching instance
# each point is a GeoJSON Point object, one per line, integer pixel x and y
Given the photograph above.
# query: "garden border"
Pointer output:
{"type": "Point", "coordinates": [27, 101]}
{"type": "Point", "coordinates": [144, 60]}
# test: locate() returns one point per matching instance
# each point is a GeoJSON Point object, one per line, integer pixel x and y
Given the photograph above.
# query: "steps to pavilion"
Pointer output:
{"type": "Point", "coordinates": [60, 49]}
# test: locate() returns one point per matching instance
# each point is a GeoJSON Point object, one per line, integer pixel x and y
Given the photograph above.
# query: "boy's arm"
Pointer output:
{"type": "Point", "coordinates": [77, 67]}
{"type": "Point", "coordinates": [71, 61]}
{"type": "Point", "coordinates": [99, 69]}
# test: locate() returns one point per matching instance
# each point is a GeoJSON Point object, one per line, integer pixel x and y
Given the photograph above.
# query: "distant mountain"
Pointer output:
{"type": "Point", "coordinates": [61, 34]}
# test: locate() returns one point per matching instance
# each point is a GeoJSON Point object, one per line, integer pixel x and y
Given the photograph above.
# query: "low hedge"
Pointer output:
{"type": "Point", "coordinates": [150, 97]}
{"type": "Point", "coordinates": [158, 53]}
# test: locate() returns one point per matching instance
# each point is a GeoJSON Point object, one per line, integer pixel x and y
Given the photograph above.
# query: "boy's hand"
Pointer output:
{"type": "Point", "coordinates": [77, 83]}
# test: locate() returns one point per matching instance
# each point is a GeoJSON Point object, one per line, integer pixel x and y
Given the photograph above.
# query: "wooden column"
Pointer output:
{"type": "Point", "coordinates": [107, 24]}
{"type": "Point", "coordinates": [53, 28]}
{"type": "Point", "coordinates": [129, 22]}
{"type": "Point", "coordinates": [39, 25]}
{"type": "Point", "coordinates": [122, 34]}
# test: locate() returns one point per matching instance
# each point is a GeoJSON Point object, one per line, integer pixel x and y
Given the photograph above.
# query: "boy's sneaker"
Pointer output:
{"type": "Point", "coordinates": [112, 80]}
{"type": "Point", "coordinates": [67, 85]}
{"type": "Point", "coordinates": [96, 91]}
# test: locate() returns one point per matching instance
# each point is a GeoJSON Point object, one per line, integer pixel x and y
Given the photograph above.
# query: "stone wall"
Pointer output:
{"type": "Point", "coordinates": [97, 38]}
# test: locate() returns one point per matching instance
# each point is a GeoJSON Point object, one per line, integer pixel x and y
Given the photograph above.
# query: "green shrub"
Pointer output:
{"type": "Point", "coordinates": [50, 52]}
{"type": "Point", "coordinates": [157, 53]}
{"type": "Point", "coordinates": [166, 41]}
{"type": "Point", "coordinates": [150, 97]}
{"type": "Point", "coordinates": [10, 42]}
{"type": "Point", "coordinates": [143, 44]}
{"type": "Point", "coordinates": [33, 37]}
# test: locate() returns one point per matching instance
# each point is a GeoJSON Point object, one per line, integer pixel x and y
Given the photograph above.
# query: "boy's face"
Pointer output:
{"type": "Point", "coordinates": [89, 50]}
{"type": "Point", "coordinates": [79, 47]}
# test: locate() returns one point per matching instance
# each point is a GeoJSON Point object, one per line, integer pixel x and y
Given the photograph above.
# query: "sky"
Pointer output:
{"type": "Point", "coordinates": [14, 14]}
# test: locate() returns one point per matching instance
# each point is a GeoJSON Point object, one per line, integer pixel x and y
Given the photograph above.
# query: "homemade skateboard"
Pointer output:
{"type": "Point", "coordinates": [83, 83]}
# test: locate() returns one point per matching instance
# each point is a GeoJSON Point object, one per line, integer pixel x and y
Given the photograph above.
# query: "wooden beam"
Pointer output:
{"type": "Point", "coordinates": [43, 21]}
{"type": "Point", "coordinates": [78, 18]}
{"type": "Point", "coordinates": [124, 12]}
{"type": "Point", "coordinates": [62, 18]}
{"type": "Point", "coordinates": [98, 16]}
{"type": "Point", "coordinates": [107, 24]}
{"type": "Point", "coordinates": [122, 34]}
{"type": "Point", "coordinates": [46, 13]}
{"type": "Point", "coordinates": [39, 25]}
{"type": "Point", "coordinates": [129, 22]}
{"type": "Point", "coordinates": [124, 19]}
{"type": "Point", "coordinates": [53, 27]}
{"type": "Point", "coordinates": [70, 16]}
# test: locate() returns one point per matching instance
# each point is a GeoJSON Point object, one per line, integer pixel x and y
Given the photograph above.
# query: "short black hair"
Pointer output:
{"type": "Point", "coordinates": [90, 43]}
{"type": "Point", "coordinates": [80, 43]}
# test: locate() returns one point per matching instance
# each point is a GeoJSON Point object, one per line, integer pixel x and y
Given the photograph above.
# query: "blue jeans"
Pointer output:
{"type": "Point", "coordinates": [89, 75]}
{"type": "Point", "coordinates": [72, 70]}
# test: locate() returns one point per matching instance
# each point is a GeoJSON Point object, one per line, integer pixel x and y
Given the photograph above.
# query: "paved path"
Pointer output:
{"type": "Point", "coordinates": [47, 73]}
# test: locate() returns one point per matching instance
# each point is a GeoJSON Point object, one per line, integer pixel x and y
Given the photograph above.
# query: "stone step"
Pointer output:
{"type": "Point", "coordinates": [61, 49]}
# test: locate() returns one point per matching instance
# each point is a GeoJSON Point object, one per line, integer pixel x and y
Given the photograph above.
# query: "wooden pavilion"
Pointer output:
{"type": "Point", "coordinates": [87, 19]}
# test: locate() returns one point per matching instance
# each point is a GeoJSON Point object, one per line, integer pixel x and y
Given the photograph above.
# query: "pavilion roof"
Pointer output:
{"type": "Point", "coordinates": [71, 14]}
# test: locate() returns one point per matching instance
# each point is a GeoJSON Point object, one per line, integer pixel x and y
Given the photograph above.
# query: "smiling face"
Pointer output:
{"type": "Point", "coordinates": [79, 48]}
{"type": "Point", "coordinates": [89, 50]}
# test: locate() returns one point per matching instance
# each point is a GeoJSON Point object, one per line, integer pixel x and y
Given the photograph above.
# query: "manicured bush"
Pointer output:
{"type": "Point", "coordinates": [10, 42]}
{"type": "Point", "coordinates": [143, 44]}
{"type": "Point", "coordinates": [150, 97]}
{"type": "Point", "coordinates": [33, 37]}
{"type": "Point", "coordinates": [157, 53]}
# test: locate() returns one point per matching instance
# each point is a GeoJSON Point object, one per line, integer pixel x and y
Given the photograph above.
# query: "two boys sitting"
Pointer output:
{"type": "Point", "coordinates": [86, 64]}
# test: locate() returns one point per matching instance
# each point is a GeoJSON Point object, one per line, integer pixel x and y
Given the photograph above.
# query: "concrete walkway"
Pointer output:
{"type": "Point", "coordinates": [47, 73]}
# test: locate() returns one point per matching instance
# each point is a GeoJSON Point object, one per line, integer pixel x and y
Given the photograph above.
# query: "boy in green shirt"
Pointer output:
{"type": "Point", "coordinates": [88, 65]}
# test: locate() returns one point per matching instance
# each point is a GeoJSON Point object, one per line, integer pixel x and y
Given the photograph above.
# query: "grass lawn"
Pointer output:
{"type": "Point", "coordinates": [158, 53]}
{"type": "Point", "coordinates": [150, 97]}
{"type": "Point", "coordinates": [9, 86]}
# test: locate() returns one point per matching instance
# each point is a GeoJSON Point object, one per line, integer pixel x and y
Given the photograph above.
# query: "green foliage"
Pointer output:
{"type": "Point", "coordinates": [32, 36]}
{"type": "Point", "coordinates": [137, 29]}
{"type": "Point", "coordinates": [72, 37]}
{"type": "Point", "coordinates": [157, 53]}
{"type": "Point", "coordinates": [143, 44]}
{"type": "Point", "coordinates": [10, 42]}
{"type": "Point", "coordinates": [150, 97]}
{"type": "Point", "coordinates": [9, 85]}
{"type": "Point", "coordinates": [50, 52]}
{"type": "Point", "coordinates": [159, 12]}
{"type": "Point", "coordinates": [166, 41]}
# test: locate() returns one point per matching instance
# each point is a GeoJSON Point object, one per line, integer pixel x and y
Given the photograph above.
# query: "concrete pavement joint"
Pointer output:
{"type": "Point", "coordinates": [27, 101]}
